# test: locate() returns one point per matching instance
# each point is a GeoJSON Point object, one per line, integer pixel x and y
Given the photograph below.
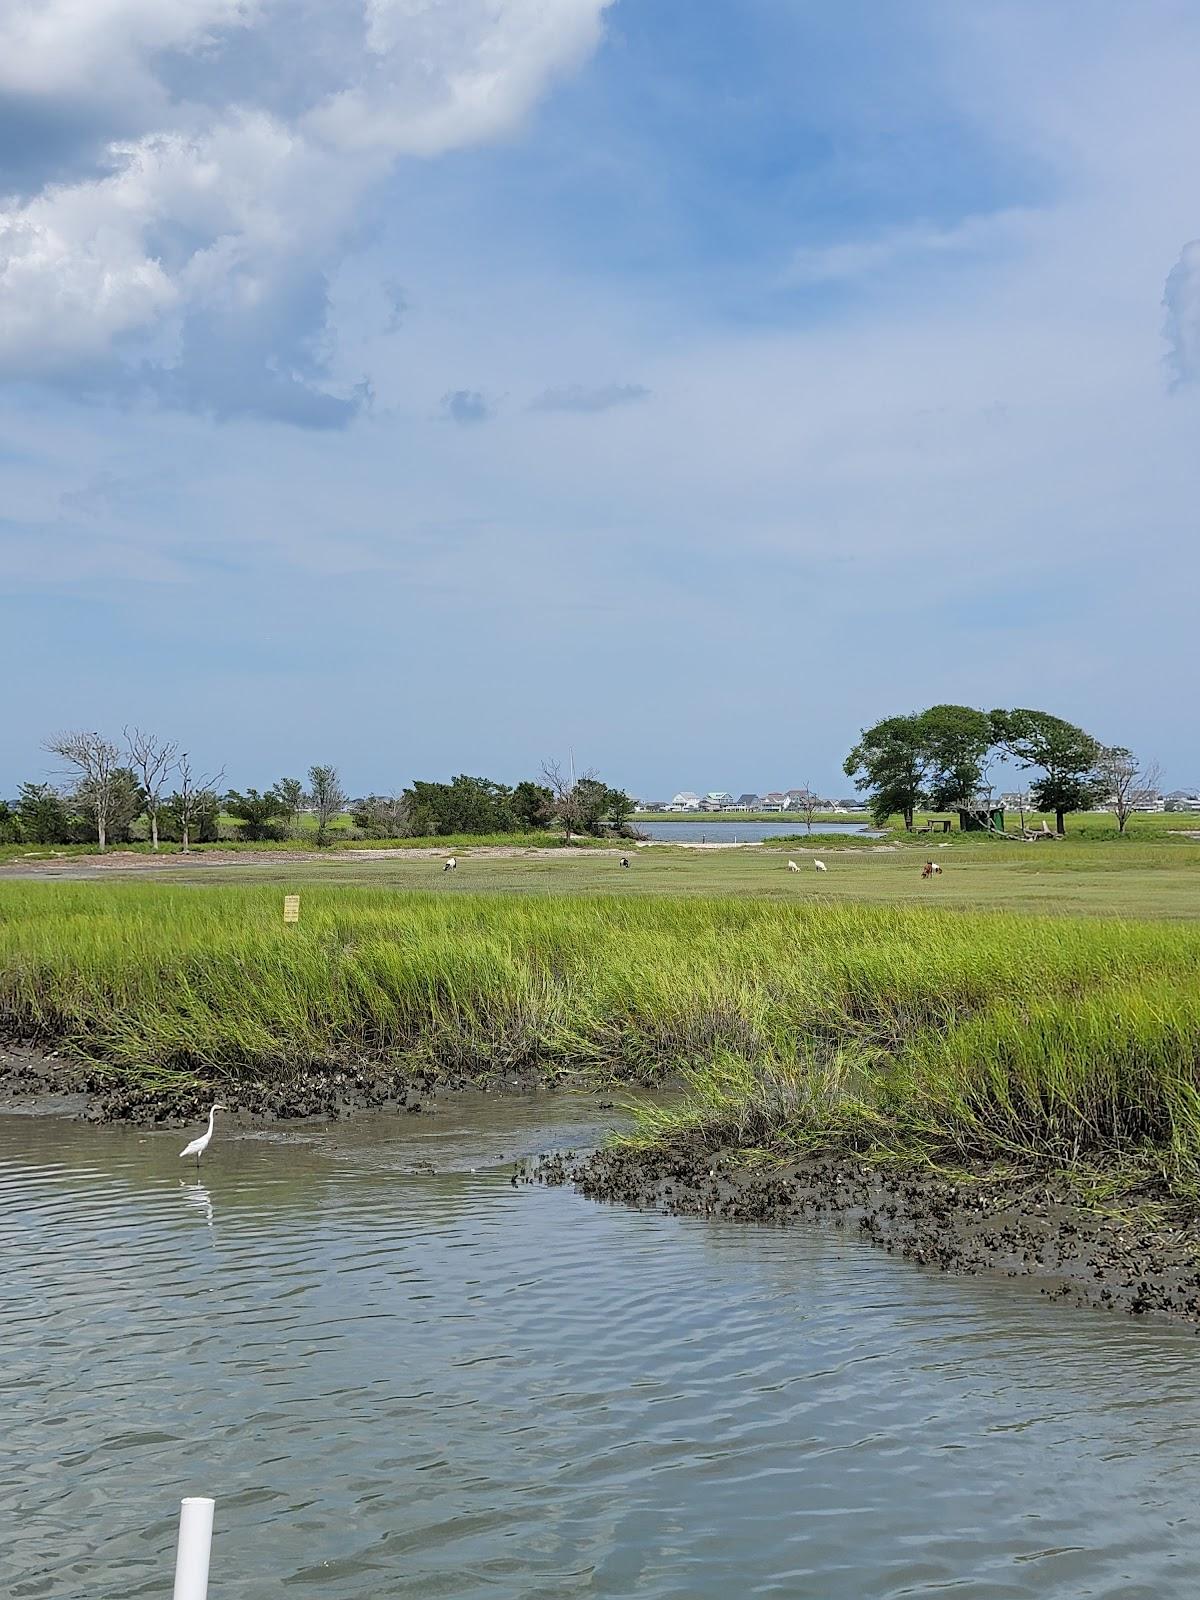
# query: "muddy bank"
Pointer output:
{"type": "Point", "coordinates": [33, 1080]}
{"type": "Point", "coordinates": [1145, 1261]}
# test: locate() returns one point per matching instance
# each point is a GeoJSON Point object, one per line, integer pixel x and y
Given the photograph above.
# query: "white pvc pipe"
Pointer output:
{"type": "Point", "coordinates": [195, 1546]}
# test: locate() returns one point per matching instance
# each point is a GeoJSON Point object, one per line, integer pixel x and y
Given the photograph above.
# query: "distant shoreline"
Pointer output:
{"type": "Point", "coordinates": [797, 817]}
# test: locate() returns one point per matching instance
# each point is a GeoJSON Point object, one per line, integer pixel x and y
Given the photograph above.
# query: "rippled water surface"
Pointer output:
{"type": "Point", "coordinates": [736, 832]}
{"type": "Point", "coordinates": [399, 1381]}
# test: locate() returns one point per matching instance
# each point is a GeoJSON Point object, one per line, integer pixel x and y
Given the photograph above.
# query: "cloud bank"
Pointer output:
{"type": "Point", "coordinates": [213, 158]}
{"type": "Point", "coordinates": [579, 397]}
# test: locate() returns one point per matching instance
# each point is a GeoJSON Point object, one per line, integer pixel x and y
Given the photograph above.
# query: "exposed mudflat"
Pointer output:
{"type": "Point", "coordinates": [55, 1082]}
{"type": "Point", "coordinates": [1144, 1261]}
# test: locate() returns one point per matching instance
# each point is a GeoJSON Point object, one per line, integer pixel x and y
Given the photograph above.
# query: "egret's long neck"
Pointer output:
{"type": "Point", "coordinates": [212, 1116]}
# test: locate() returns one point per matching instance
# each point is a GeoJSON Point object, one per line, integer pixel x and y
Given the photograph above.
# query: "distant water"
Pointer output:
{"type": "Point", "coordinates": [400, 1381]}
{"type": "Point", "coordinates": [695, 829]}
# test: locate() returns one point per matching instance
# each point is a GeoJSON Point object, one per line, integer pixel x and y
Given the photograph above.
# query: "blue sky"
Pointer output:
{"type": "Point", "coordinates": [439, 385]}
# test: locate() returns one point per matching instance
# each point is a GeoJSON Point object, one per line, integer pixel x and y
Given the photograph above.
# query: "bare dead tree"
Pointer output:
{"type": "Point", "coordinates": [99, 784]}
{"type": "Point", "coordinates": [383, 816]}
{"type": "Point", "coordinates": [193, 797]}
{"type": "Point", "coordinates": [327, 798]}
{"type": "Point", "coordinates": [809, 806]}
{"type": "Point", "coordinates": [152, 759]}
{"type": "Point", "coordinates": [574, 797]}
{"type": "Point", "coordinates": [1128, 782]}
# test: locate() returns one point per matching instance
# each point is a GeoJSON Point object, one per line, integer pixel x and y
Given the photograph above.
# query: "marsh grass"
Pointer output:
{"type": "Point", "coordinates": [925, 1033]}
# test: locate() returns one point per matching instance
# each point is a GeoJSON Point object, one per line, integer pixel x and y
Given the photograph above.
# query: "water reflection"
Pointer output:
{"type": "Point", "coordinates": [197, 1198]}
{"type": "Point", "coordinates": [414, 1382]}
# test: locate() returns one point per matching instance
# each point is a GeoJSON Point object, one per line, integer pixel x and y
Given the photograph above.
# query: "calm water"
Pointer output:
{"type": "Point", "coordinates": [695, 829]}
{"type": "Point", "coordinates": [419, 1383]}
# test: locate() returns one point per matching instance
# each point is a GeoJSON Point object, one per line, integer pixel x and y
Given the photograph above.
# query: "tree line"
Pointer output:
{"type": "Point", "coordinates": [110, 789]}
{"type": "Point", "coordinates": [941, 759]}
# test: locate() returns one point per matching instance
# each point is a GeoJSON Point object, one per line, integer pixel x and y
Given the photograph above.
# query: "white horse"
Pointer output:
{"type": "Point", "coordinates": [792, 867]}
{"type": "Point", "coordinates": [820, 866]}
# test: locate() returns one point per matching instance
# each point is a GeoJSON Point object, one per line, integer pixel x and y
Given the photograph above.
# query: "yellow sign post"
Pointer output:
{"type": "Point", "coordinates": [291, 908]}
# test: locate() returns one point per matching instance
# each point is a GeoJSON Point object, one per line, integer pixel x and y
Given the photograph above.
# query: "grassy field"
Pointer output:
{"type": "Point", "coordinates": [305, 841]}
{"type": "Point", "coordinates": [921, 1033]}
{"type": "Point", "coordinates": [1141, 876]}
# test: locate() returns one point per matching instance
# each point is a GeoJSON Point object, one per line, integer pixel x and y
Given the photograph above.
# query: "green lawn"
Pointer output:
{"type": "Point", "coordinates": [1129, 878]}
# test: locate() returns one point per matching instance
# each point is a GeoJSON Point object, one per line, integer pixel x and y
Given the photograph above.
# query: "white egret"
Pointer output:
{"type": "Point", "coordinates": [200, 1145]}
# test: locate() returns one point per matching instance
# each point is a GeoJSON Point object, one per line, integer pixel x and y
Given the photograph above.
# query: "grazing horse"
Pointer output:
{"type": "Point", "coordinates": [624, 861]}
{"type": "Point", "coordinates": [820, 866]}
{"type": "Point", "coordinates": [451, 864]}
{"type": "Point", "coordinates": [931, 869]}
{"type": "Point", "coordinates": [792, 867]}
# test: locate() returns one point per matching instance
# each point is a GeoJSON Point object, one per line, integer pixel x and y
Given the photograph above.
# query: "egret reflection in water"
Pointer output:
{"type": "Point", "coordinates": [196, 1197]}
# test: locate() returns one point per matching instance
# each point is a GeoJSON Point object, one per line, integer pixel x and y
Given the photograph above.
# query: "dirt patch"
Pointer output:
{"type": "Point", "coordinates": [135, 861]}
{"type": "Point", "coordinates": [1145, 1263]}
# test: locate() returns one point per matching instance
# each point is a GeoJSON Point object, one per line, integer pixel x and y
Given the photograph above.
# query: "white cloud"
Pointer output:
{"type": "Point", "coordinates": [100, 48]}
{"type": "Point", "coordinates": [452, 72]}
{"type": "Point", "coordinates": [582, 397]}
{"type": "Point", "coordinates": [218, 211]}
{"type": "Point", "coordinates": [848, 260]}
{"type": "Point", "coordinates": [1182, 300]}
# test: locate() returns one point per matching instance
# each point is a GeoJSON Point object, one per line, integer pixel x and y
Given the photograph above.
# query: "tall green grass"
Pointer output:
{"type": "Point", "coordinates": [917, 1031]}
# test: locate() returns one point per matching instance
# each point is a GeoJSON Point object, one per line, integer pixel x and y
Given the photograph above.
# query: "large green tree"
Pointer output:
{"type": "Point", "coordinates": [533, 805]}
{"type": "Point", "coordinates": [465, 805]}
{"type": "Point", "coordinates": [889, 764]}
{"type": "Point", "coordinates": [291, 792]}
{"type": "Point", "coordinates": [44, 817]}
{"type": "Point", "coordinates": [955, 741]}
{"type": "Point", "coordinates": [327, 798]}
{"type": "Point", "coordinates": [259, 814]}
{"type": "Point", "coordinates": [1066, 755]}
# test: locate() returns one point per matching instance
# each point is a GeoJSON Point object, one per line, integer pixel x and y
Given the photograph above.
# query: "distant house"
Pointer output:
{"type": "Point", "coordinates": [746, 802]}
{"type": "Point", "coordinates": [854, 802]}
{"type": "Point", "coordinates": [685, 801]}
{"type": "Point", "coordinates": [1182, 800]}
{"type": "Point", "coordinates": [1148, 802]}
{"type": "Point", "coordinates": [775, 801]}
{"type": "Point", "coordinates": [801, 799]}
{"type": "Point", "coordinates": [716, 800]}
